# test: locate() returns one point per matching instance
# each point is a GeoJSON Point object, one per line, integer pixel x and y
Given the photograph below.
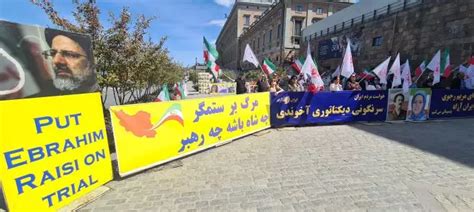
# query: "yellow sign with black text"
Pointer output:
{"type": "Point", "coordinates": [153, 133]}
{"type": "Point", "coordinates": [53, 150]}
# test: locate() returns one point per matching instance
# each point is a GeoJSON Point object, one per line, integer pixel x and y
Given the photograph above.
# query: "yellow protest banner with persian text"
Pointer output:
{"type": "Point", "coordinates": [153, 133]}
{"type": "Point", "coordinates": [53, 150]}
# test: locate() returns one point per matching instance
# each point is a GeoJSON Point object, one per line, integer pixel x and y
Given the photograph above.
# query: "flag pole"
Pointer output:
{"type": "Point", "coordinates": [418, 77]}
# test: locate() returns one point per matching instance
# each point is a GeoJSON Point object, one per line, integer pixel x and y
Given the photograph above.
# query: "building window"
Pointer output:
{"type": "Point", "coordinates": [319, 10]}
{"type": "Point", "coordinates": [279, 31]}
{"type": "Point", "coordinates": [330, 10]}
{"type": "Point", "coordinates": [258, 43]}
{"type": "Point", "coordinates": [299, 8]}
{"type": "Point", "coordinates": [270, 36]}
{"type": "Point", "coordinates": [377, 41]}
{"type": "Point", "coordinates": [246, 20]}
{"type": "Point", "coordinates": [298, 26]}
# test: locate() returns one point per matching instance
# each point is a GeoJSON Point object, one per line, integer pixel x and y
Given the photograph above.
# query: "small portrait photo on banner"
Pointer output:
{"type": "Point", "coordinates": [397, 105]}
{"type": "Point", "coordinates": [419, 104]}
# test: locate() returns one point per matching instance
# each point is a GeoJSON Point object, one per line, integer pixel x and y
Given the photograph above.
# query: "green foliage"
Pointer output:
{"type": "Point", "coordinates": [127, 62]}
{"type": "Point", "coordinates": [193, 77]}
{"type": "Point", "coordinates": [253, 74]}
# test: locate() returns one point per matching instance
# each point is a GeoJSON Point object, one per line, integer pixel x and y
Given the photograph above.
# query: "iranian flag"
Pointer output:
{"type": "Point", "coordinates": [178, 88]}
{"type": "Point", "coordinates": [214, 68]}
{"type": "Point", "coordinates": [268, 67]}
{"type": "Point", "coordinates": [445, 64]}
{"type": "Point", "coordinates": [366, 74]}
{"type": "Point", "coordinates": [210, 57]}
{"type": "Point", "coordinates": [164, 94]}
{"type": "Point", "coordinates": [298, 64]}
{"type": "Point", "coordinates": [435, 66]}
{"type": "Point", "coordinates": [421, 69]}
{"type": "Point", "coordinates": [210, 53]}
{"type": "Point", "coordinates": [172, 114]}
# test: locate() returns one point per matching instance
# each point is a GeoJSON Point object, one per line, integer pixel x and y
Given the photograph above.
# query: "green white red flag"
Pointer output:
{"type": "Point", "coordinates": [268, 67]}
{"type": "Point", "coordinates": [164, 94]}
{"type": "Point", "coordinates": [445, 64]}
{"type": "Point", "coordinates": [173, 113]}
{"type": "Point", "coordinates": [210, 57]}
{"type": "Point", "coordinates": [420, 69]}
{"type": "Point", "coordinates": [298, 64]}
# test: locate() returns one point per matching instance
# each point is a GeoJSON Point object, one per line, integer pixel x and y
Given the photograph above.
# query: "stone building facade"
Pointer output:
{"type": "Point", "coordinates": [417, 33]}
{"type": "Point", "coordinates": [242, 15]}
{"type": "Point", "coordinates": [277, 34]}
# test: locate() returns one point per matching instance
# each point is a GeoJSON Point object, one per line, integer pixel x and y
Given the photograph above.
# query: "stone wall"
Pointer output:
{"type": "Point", "coordinates": [416, 33]}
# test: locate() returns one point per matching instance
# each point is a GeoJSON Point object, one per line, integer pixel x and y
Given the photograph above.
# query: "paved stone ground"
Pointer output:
{"type": "Point", "coordinates": [357, 167]}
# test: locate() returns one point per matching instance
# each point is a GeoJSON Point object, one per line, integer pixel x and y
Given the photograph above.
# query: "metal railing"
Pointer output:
{"type": "Point", "coordinates": [368, 17]}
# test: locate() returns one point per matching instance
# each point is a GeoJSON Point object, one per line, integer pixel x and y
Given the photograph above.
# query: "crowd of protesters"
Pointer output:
{"type": "Point", "coordinates": [356, 82]}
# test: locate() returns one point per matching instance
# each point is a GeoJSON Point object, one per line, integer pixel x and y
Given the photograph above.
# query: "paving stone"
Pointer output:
{"type": "Point", "coordinates": [319, 168]}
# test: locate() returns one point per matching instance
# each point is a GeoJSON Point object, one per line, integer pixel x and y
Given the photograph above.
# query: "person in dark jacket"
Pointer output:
{"type": "Point", "coordinates": [262, 84]}
{"type": "Point", "coordinates": [241, 84]}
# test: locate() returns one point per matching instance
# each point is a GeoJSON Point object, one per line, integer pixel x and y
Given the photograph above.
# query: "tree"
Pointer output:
{"type": "Point", "coordinates": [127, 62]}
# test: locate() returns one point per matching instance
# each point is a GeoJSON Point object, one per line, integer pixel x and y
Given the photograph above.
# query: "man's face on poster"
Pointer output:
{"type": "Point", "coordinates": [70, 63]}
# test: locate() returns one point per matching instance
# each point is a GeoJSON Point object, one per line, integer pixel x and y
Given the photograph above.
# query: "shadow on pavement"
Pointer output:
{"type": "Point", "coordinates": [452, 139]}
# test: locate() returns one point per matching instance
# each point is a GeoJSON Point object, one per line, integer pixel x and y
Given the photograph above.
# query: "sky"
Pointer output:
{"type": "Point", "coordinates": [183, 22]}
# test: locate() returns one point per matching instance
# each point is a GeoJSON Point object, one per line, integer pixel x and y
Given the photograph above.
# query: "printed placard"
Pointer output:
{"type": "Point", "coordinates": [53, 150]}
{"type": "Point", "coordinates": [153, 133]}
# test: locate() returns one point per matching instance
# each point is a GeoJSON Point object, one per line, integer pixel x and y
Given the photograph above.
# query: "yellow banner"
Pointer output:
{"type": "Point", "coordinates": [53, 150]}
{"type": "Point", "coordinates": [153, 133]}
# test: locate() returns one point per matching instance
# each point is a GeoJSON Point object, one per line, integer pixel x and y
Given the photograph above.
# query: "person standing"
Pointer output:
{"type": "Point", "coordinates": [262, 84]}
{"type": "Point", "coordinates": [293, 85]}
{"type": "Point", "coordinates": [335, 84]}
{"type": "Point", "coordinates": [240, 81]}
{"type": "Point", "coordinates": [352, 84]}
